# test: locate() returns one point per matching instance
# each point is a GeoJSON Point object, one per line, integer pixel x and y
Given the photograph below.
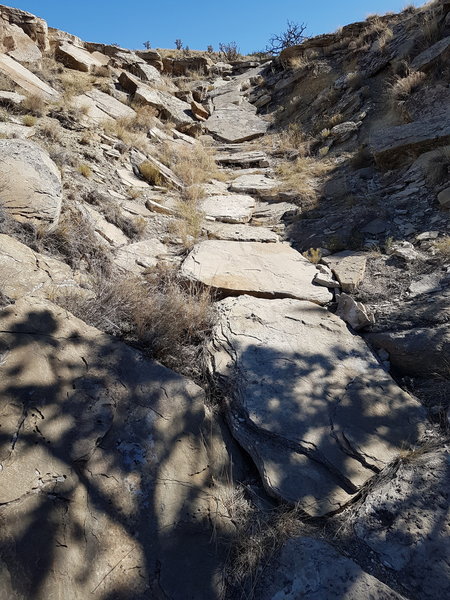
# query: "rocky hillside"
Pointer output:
{"type": "Point", "coordinates": [224, 317]}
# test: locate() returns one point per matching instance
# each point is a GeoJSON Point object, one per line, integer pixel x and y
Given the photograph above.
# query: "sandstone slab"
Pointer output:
{"type": "Point", "coordinates": [267, 270]}
{"type": "Point", "coordinates": [129, 178]}
{"type": "Point", "coordinates": [229, 208]}
{"type": "Point", "coordinates": [138, 257]}
{"type": "Point", "coordinates": [13, 130]}
{"type": "Point", "coordinates": [405, 520]}
{"type": "Point", "coordinates": [24, 272]}
{"type": "Point", "coordinates": [308, 400]}
{"type": "Point", "coordinates": [26, 79]}
{"type": "Point", "coordinates": [235, 125]}
{"type": "Point", "coordinates": [311, 569]}
{"type": "Point", "coordinates": [349, 268]}
{"type": "Point", "coordinates": [354, 313]}
{"type": "Point", "coordinates": [169, 107]}
{"type": "Point", "coordinates": [102, 456]}
{"type": "Point", "coordinates": [392, 145]}
{"type": "Point", "coordinates": [258, 185]}
{"type": "Point", "coordinates": [240, 233]}
{"type": "Point", "coordinates": [244, 160]}
{"type": "Point", "coordinates": [76, 58]}
{"type": "Point", "coordinates": [17, 44]}
{"type": "Point", "coordinates": [106, 230]}
{"type": "Point", "coordinates": [31, 183]}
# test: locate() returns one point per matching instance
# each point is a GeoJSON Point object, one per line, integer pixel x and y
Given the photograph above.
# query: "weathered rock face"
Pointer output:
{"type": "Point", "coordinates": [76, 58]}
{"type": "Point", "coordinates": [240, 233]}
{"type": "Point", "coordinates": [229, 208]}
{"type": "Point", "coordinates": [169, 107]}
{"type": "Point", "coordinates": [406, 522]}
{"type": "Point", "coordinates": [102, 457]}
{"type": "Point", "coordinates": [251, 158]}
{"type": "Point", "coordinates": [99, 107]}
{"type": "Point", "coordinates": [24, 272]}
{"type": "Point", "coordinates": [309, 401]}
{"type": "Point", "coordinates": [183, 66]}
{"type": "Point", "coordinates": [137, 257]}
{"type": "Point", "coordinates": [311, 569]}
{"type": "Point", "coordinates": [234, 124]}
{"type": "Point", "coordinates": [34, 27]}
{"type": "Point", "coordinates": [349, 268]}
{"type": "Point", "coordinates": [31, 183]}
{"type": "Point", "coordinates": [26, 79]}
{"type": "Point", "coordinates": [258, 185]}
{"type": "Point", "coordinates": [267, 270]}
{"type": "Point", "coordinates": [391, 146]}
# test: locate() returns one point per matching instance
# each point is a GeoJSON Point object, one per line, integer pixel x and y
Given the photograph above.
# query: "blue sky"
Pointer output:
{"type": "Point", "coordinates": [250, 23]}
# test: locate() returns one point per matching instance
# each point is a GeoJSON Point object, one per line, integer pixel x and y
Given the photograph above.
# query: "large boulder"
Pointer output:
{"type": "Point", "coordinates": [264, 270]}
{"type": "Point", "coordinates": [308, 400]}
{"type": "Point", "coordinates": [310, 569]}
{"type": "Point", "coordinates": [405, 520]}
{"type": "Point", "coordinates": [394, 145]}
{"type": "Point", "coordinates": [31, 183]}
{"type": "Point", "coordinates": [235, 125]}
{"type": "Point", "coordinates": [106, 482]}
{"type": "Point", "coordinates": [26, 79]}
{"type": "Point", "coordinates": [349, 268]}
{"type": "Point", "coordinates": [98, 107]}
{"type": "Point", "coordinates": [169, 107]}
{"type": "Point", "coordinates": [183, 66]}
{"type": "Point", "coordinates": [22, 35]}
{"type": "Point", "coordinates": [76, 58]}
{"type": "Point", "coordinates": [34, 27]}
{"type": "Point", "coordinates": [24, 272]}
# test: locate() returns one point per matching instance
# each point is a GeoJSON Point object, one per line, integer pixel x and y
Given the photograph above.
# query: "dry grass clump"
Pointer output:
{"type": "Point", "coordinates": [132, 227]}
{"type": "Point", "coordinates": [302, 176]}
{"type": "Point", "coordinates": [151, 173]}
{"type": "Point", "coordinates": [128, 132]}
{"type": "Point", "coordinates": [314, 255]}
{"type": "Point", "coordinates": [442, 246]}
{"type": "Point", "coordinates": [34, 105]}
{"type": "Point", "coordinates": [85, 170]}
{"type": "Point", "coordinates": [402, 87]}
{"type": "Point", "coordinates": [74, 83]}
{"type": "Point", "coordinates": [74, 240]}
{"type": "Point", "coordinates": [288, 139]}
{"type": "Point", "coordinates": [29, 120]}
{"type": "Point", "coordinates": [51, 130]}
{"type": "Point", "coordinates": [164, 317]}
{"type": "Point", "coordinates": [188, 225]}
{"type": "Point", "coordinates": [192, 164]}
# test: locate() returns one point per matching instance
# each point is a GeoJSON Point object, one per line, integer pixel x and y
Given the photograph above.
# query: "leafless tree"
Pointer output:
{"type": "Point", "coordinates": [292, 36]}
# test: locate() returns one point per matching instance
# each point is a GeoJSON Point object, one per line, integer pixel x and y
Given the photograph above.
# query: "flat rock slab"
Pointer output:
{"type": "Point", "coordinates": [252, 158]}
{"type": "Point", "coordinates": [99, 107]}
{"type": "Point", "coordinates": [349, 268]}
{"type": "Point", "coordinates": [102, 456]}
{"type": "Point", "coordinates": [138, 257]}
{"type": "Point", "coordinates": [170, 107]}
{"type": "Point", "coordinates": [129, 178]}
{"type": "Point", "coordinates": [31, 188]}
{"type": "Point", "coordinates": [240, 233]}
{"type": "Point", "coordinates": [76, 58]}
{"type": "Point", "coordinates": [26, 79]}
{"type": "Point", "coordinates": [309, 401]}
{"type": "Point", "coordinates": [14, 130]}
{"type": "Point", "coordinates": [24, 272]}
{"type": "Point", "coordinates": [258, 185]}
{"type": "Point", "coordinates": [310, 569]}
{"type": "Point", "coordinates": [107, 231]}
{"type": "Point", "coordinates": [258, 269]}
{"type": "Point", "coordinates": [229, 208]}
{"type": "Point", "coordinates": [438, 51]}
{"type": "Point", "coordinates": [405, 520]}
{"type": "Point", "coordinates": [235, 125]}
{"type": "Point", "coordinates": [391, 145]}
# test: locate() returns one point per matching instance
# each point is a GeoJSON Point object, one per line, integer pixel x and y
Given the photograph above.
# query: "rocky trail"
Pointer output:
{"type": "Point", "coordinates": [224, 318]}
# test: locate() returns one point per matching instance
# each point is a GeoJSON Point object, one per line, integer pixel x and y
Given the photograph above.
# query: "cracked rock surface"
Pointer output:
{"type": "Point", "coordinates": [104, 473]}
{"type": "Point", "coordinates": [308, 400]}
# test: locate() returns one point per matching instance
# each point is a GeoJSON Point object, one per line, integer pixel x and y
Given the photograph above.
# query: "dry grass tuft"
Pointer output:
{"type": "Point", "coordinates": [192, 164]}
{"type": "Point", "coordinates": [302, 176]}
{"type": "Point", "coordinates": [314, 255]}
{"type": "Point", "coordinates": [29, 120]}
{"type": "Point", "coordinates": [188, 225]}
{"type": "Point", "coordinates": [51, 130]}
{"type": "Point", "coordinates": [129, 131]}
{"type": "Point", "coordinates": [442, 246]}
{"type": "Point", "coordinates": [162, 316]}
{"type": "Point", "coordinates": [402, 87]}
{"type": "Point", "coordinates": [75, 83]}
{"type": "Point", "coordinates": [151, 173]}
{"type": "Point", "coordinates": [34, 105]}
{"type": "Point", "coordinates": [132, 227]}
{"type": "Point", "coordinates": [289, 139]}
{"type": "Point", "coordinates": [85, 170]}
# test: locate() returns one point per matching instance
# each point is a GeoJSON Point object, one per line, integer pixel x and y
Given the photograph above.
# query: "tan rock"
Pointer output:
{"type": "Point", "coordinates": [229, 208]}
{"type": "Point", "coordinates": [31, 183]}
{"type": "Point", "coordinates": [24, 272]}
{"type": "Point", "coordinates": [354, 313]}
{"type": "Point", "coordinates": [107, 231]}
{"type": "Point", "coordinates": [169, 107]}
{"type": "Point", "coordinates": [311, 404]}
{"type": "Point", "coordinates": [108, 446]}
{"type": "Point", "coordinates": [199, 111]}
{"type": "Point", "coordinates": [34, 27]}
{"type": "Point", "coordinates": [129, 178]}
{"type": "Point", "coordinates": [165, 174]}
{"type": "Point", "coordinates": [264, 270]}
{"type": "Point", "coordinates": [138, 257]}
{"type": "Point", "coordinates": [13, 130]}
{"type": "Point", "coordinates": [349, 268]}
{"type": "Point", "coordinates": [26, 79]}
{"type": "Point", "coordinates": [76, 58]}
{"type": "Point", "coordinates": [235, 125]}
{"type": "Point", "coordinates": [240, 233]}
